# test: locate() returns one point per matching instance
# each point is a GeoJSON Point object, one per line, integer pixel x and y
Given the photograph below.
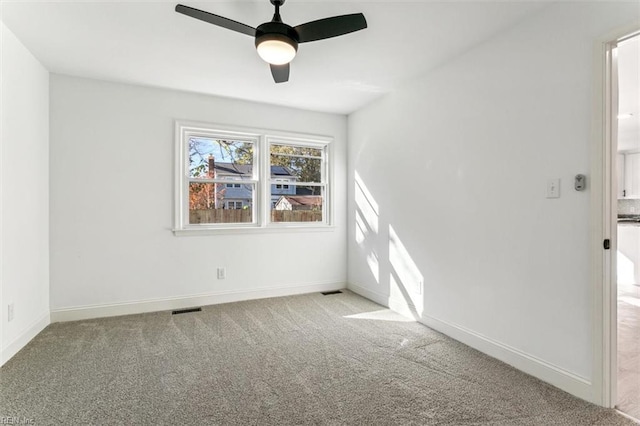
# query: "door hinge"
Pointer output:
{"type": "Point", "coordinates": [606, 244]}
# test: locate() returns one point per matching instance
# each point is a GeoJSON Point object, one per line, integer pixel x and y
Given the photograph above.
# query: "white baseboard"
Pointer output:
{"type": "Point", "coordinates": [400, 306]}
{"type": "Point", "coordinates": [154, 305]}
{"type": "Point", "coordinates": [558, 377]}
{"type": "Point", "coordinates": [23, 338]}
{"type": "Point", "coordinates": [382, 299]}
{"type": "Point", "coordinates": [547, 372]}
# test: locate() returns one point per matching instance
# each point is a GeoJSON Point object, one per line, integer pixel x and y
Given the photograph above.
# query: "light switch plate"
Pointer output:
{"type": "Point", "coordinates": [553, 188]}
{"type": "Point", "coordinates": [222, 273]}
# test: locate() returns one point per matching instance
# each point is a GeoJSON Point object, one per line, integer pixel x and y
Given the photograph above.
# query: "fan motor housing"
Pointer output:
{"type": "Point", "coordinates": [277, 31]}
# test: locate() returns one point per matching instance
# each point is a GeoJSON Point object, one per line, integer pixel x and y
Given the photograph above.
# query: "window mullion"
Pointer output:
{"type": "Point", "coordinates": [184, 216]}
{"type": "Point", "coordinates": [265, 181]}
{"type": "Point", "coordinates": [326, 189]}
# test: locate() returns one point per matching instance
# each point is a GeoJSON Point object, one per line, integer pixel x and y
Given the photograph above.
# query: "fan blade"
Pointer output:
{"type": "Point", "coordinates": [280, 73]}
{"type": "Point", "coordinates": [330, 27]}
{"type": "Point", "coordinates": [216, 20]}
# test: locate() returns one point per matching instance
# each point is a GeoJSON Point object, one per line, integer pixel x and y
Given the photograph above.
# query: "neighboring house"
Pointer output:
{"type": "Point", "coordinates": [282, 174]}
{"type": "Point", "coordinates": [299, 202]}
{"type": "Point", "coordinates": [236, 195]}
{"type": "Point", "coordinates": [232, 195]}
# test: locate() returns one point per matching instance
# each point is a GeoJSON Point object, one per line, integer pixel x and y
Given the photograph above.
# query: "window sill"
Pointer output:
{"type": "Point", "coordinates": [193, 232]}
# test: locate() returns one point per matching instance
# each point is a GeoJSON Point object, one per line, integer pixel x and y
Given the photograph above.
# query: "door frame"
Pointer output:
{"type": "Point", "coordinates": [604, 218]}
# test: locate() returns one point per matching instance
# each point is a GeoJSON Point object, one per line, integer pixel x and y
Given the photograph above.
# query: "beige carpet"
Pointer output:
{"type": "Point", "coordinates": [312, 359]}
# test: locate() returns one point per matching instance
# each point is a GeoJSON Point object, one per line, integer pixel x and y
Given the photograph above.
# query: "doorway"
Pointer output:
{"type": "Point", "coordinates": [624, 117]}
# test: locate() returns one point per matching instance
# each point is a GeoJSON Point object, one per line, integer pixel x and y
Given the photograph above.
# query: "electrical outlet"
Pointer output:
{"type": "Point", "coordinates": [10, 312]}
{"type": "Point", "coordinates": [222, 273]}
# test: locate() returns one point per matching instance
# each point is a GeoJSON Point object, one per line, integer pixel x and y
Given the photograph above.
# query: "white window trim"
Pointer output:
{"type": "Point", "coordinates": [262, 197]}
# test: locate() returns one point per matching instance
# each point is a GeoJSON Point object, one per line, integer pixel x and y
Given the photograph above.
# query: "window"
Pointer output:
{"type": "Point", "coordinates": [212, 159]}
{"type": "Point", "coordinates": [259, 163]}
{"type": "Point", "coordinates": [304, 166]}
{"type": "Point", "coordinates": [282, 186]}
{"type": "Point", "coordinates": [236, 205]}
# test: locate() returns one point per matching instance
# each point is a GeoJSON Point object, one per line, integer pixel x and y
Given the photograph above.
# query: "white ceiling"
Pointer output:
{"type": "Point", "coordinates": [148, 43]}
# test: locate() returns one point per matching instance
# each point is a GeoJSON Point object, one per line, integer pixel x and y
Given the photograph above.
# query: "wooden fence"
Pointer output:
{"type": "Point", "coordinates": [244, 216]}
{"type": "Point", "coordinates": [296, 215]}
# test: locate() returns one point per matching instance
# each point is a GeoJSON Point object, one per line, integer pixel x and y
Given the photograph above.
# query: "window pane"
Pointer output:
{"type": "Point", "coordinates": [220, 159]}
{"type": "Point", "coordinates": [300, 164]}
{"type": "Point", "coordinates": [296, 208]}
{"type": "Point", "coordinates": [296, 150]}
{"type": "Point", "coordinates": [214, 203]}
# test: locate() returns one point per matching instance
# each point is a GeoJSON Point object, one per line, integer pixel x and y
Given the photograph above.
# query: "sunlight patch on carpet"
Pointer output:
{"type": "Point", "coordinates": [381, 315]}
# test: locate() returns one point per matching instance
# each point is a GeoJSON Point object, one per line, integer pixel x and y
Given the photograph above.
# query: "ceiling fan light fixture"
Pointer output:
{"type": "Point", "coordinates": [276, 49]}
{"type": "Point", "coordinates": [277, 42]}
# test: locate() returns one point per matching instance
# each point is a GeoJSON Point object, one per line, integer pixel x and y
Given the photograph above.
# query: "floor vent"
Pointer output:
{"type": "Point", "coordinates": [186, 311]}
{"type": "Point", "coordinates": [328, 293]}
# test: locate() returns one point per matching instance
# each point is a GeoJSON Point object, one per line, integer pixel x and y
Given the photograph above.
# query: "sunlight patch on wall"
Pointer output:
{"type": "Point", "coordinates": [366, 205]}
{"type": "Point", "coordinates": [361, 229]}
{"type": "Point", "coordinates": [374, 265]}
{"type": "Point", "coordinates": [403, 264]}
{"type": "Point", "coordinates": [406, 280]}
{"type": "Point", "coordinates": [366, 225]}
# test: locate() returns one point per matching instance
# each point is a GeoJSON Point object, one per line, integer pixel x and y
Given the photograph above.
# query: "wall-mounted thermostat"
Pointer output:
{"type": "Point", "coordinates": [580, 183]}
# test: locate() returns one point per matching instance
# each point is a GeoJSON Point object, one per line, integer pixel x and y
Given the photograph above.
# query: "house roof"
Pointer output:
{"type": "Point", "coordinates": [303, 200]}
{"type": "Point", "coordinates": [304, 190]}
{"type": "Point", "coordinates": [233, 169]}
{"type": "Point", "coordinates": [281, 171]}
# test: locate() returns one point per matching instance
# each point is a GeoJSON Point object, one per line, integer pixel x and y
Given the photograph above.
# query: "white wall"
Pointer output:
{"type": "Point", "coordinates": [112, 171]}
{"type": "Point", "coordinates": [452, 170]}
{"type": "Point", "coordinates": [24, 195]}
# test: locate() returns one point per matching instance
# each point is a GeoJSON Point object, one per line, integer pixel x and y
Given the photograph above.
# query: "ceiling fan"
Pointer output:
{"type": "Point", "coordinates": [277, 42]}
